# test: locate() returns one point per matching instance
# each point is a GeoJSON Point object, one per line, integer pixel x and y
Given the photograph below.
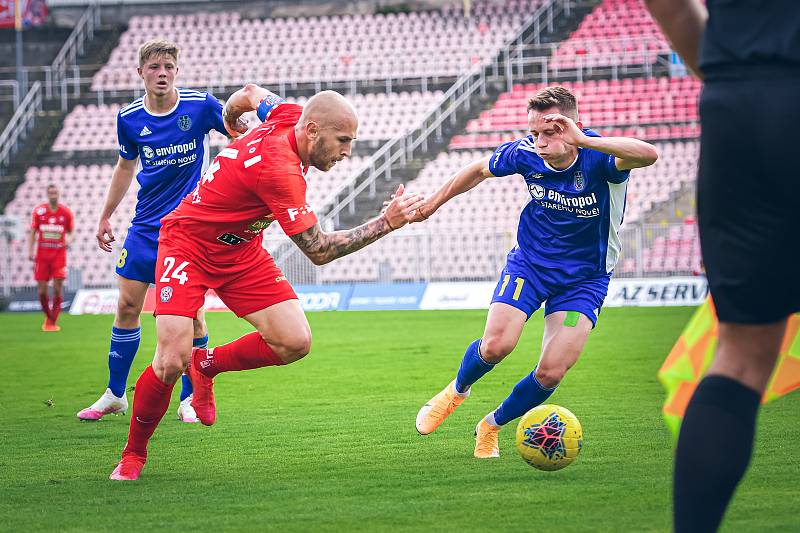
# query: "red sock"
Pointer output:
{"type": "Point", "coordinates": [244, 353]}
{"type": "Point", "coordinates": [45, 303]}
{"type": "Point", "coordinates": [150, 403]}
{"type": "Point", "coordinates": [56, 309]}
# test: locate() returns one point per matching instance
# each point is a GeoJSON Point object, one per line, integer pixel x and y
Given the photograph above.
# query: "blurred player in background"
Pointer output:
{"type": "Point", "coordinates": [51, 231]}
{"type": "Point", "coordinates": [213, 240]}
{"type": "Point", "coordinates": [163, 140]}
{"type": "Point", "coordinates": [748, 220]}
{"type": "Point", "coordinates": [567, 248]}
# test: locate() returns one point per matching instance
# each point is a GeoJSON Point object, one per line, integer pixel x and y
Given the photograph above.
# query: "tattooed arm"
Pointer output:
{"type": "Point", "coordinates": [323, 247]}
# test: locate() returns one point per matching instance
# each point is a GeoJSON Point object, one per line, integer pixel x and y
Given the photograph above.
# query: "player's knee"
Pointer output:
{"type": "Point", "coordinates": [169, 365]}
{"type": "Point", "coordinates": [550, 376]}
{"type": "Point", "coordinates": [495, 348]}
{"type": "Point", "coordinates": [294, 347]}
{"type": "Point", "coordinates": [128, 309]}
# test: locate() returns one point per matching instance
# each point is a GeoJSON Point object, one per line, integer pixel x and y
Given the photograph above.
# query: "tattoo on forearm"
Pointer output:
{"type": "Point", "coordinates": [323, 248]}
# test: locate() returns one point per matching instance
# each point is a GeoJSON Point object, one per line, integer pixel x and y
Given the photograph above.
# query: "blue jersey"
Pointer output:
{"type": "Point", "coordinates": [173, 151]}
{"type": "Point", "coordinates": [570, 224]}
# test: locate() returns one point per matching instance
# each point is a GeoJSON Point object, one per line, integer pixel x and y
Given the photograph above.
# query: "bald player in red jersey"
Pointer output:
{"type": "Point", "coordinates": [213, 240]}
{"type": "Point", "coordinates": [52, 226]}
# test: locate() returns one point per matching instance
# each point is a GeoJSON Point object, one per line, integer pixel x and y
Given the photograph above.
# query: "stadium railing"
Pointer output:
{"type": "Point", "coordinates": [9, 92]}
{"type": "Point", "coordinates": [422, 254]}
{"type": "Point", "coordinates": [63, 73]}
{"type": "Point", "coordinates": [537, 60]}
{"type": "Point", "coordinates": [418, 253]}
{"type": "Point", "coordinates": [20, 123]}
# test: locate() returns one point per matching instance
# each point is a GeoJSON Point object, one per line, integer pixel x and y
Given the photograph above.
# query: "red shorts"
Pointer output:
{"type": "Point", "coordinates": [53, 267]}
{"type": "Point", "coordinates": [184, 272]}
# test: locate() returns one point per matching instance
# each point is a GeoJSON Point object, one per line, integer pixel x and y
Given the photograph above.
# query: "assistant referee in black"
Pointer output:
{"type": "Point", "coordinates": [748, 54]}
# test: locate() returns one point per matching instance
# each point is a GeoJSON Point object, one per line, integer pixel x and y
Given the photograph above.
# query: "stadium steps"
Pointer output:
{"type": "Point", "coordinates": [367, 205]}
{"type": "Point", "coordinates": [39, 47]}
{"type": "Point", "coordinates": [33, 149]}
{"type": "Point", "coordinates": [37, 146]}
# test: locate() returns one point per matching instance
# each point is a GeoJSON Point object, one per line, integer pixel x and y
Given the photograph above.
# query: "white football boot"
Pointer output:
{"type": "Point", "coordinates": [107, 404]}
{"type": "Point", "coordinates": [186, 411]}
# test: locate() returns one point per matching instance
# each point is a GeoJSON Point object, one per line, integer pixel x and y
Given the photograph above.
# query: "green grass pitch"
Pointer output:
{"type": "Point", "coordinates": [328, 443]}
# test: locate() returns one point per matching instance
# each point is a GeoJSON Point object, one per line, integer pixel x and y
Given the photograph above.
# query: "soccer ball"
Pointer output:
{"type": "Point", "coordinates": [549, 437]}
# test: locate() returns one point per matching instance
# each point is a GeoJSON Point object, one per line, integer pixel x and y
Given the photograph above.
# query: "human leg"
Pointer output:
{"type": "Point", "coordinates": [153, 391]}
{"type": "Point", "coordinates": [515, 299]}
{"type": "Point", "coordinates": [125, 336]}
{"type": "Point", "coordinates": [718, 429]}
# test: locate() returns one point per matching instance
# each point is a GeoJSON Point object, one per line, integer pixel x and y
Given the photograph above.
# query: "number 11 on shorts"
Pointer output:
{"type": "Point", "coordinates": [517, 291]}
{"type": "Point", "coordinates": [175, 273]}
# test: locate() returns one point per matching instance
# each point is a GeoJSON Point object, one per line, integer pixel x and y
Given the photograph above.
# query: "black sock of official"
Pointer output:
{"type": "Point", "coordinates": [714, 448]}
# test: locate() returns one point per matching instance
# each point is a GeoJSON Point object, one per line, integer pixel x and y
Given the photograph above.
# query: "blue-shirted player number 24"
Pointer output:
{"type": "Point", "coordinates": [519, 282]}
{"type": "Point", "coordinates": [177, 273]}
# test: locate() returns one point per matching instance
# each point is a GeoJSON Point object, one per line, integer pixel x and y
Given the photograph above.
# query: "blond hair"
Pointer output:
{"type": "Point", "coordinates": [555, 96]}
{"type": "Point", "coordinates": [158, 47]}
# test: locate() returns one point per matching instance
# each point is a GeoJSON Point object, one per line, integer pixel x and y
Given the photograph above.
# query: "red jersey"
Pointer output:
{"type": "Point", "coordinates": [52, 228]}
{"type": "Point", "coordinates": [250, 184]}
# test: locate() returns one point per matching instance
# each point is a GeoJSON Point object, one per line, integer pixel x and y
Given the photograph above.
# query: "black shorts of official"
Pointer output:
{"type": "Point", "coordinates": [748, 197]}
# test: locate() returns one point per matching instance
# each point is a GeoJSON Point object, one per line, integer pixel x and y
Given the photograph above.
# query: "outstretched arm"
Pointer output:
{"type": "Point", "coordinates": [465, 179]}
{"type": "Point", "coordinates": [323, 247]}
{"type": "Point", "coordinates": [683, 23]}
{"type": "Point", "coordinates": [629, 153]}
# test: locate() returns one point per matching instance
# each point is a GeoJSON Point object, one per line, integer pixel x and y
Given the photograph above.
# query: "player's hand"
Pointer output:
{"type": "Point", "coordinates": [421, 214]}
{"type": "Point", "coordinates": [235, 125]}
{"type": "Point", "coordinates": [566, 127]}
{"type": "Point", "coordinates": [32, 256]}
{"type": "Point", "coordinates": [402, 208]}
{"type": "Point", "coordinates": [105, 235]}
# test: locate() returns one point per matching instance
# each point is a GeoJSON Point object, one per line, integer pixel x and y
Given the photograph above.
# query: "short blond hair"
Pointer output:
{"type": "Point", "coordinates": [157, 47]}
{"type": "Point", "coordinates": [555, 96]}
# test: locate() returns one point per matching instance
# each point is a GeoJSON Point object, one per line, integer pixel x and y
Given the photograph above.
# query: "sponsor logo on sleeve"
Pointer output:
{"type": "Point", "coordinates": [294, 213]}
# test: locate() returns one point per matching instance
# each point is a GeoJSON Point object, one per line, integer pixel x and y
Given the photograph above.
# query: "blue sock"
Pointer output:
{"type": "Point", "coordinates": [527, 394]}
{"type": "Point", "coordinates": [186, 383]}
{"type": "Point", "coordinates": [124, 345]}
{"type": "Point", "coordinates": [472, 368]}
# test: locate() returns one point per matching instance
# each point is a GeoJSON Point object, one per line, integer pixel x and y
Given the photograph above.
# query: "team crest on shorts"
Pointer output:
{"type": "Point", "coordinates": [580, 181]}
{"type": "Point", "coordinates": [166, 294]}
{"type": "Point", "coordinates": [184, 122]}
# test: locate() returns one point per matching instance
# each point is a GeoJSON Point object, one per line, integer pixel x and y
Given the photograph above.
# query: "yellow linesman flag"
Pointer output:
{"type": "Point", "coordinates": [692, 354]}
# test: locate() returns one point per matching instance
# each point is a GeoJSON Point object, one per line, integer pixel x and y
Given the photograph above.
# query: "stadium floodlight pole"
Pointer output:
{"type": "Point", "coordinates": [18, 45]}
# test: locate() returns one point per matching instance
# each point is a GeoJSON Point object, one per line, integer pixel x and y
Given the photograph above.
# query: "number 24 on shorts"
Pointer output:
{"type": "Point", "coordinates": [170, 271]}
{"type": "Point", "coordinates": [519, 282]}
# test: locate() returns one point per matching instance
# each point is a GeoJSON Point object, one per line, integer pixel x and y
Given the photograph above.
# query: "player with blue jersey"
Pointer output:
{"type": "Point", "coordinates": [163, 140]}
{"type": "Point", "coordinates": [566, 252]}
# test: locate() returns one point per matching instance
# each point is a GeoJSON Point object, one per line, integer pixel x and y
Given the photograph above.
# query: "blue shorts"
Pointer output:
{"type": "Point", "coordinates": [139, 253]}
{"type": "Point", "coordinates": [527, 290]}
